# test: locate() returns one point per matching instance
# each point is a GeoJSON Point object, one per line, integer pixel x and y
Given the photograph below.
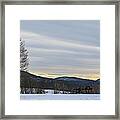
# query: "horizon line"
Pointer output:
{"type": "Point", "coordinates": [61, 76]}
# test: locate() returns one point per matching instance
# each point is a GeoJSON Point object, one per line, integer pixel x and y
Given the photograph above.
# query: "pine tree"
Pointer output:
{"type": "Point", "coordinates": [24, 61]}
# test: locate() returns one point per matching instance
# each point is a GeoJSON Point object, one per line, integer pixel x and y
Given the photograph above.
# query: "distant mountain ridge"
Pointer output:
{"type": "Point", "coordinates": [29, 80]}
{"type": "Point", "coordinates": [72, 78]}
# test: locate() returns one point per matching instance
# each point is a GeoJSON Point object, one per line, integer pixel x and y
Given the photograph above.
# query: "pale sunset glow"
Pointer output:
{"type": "Point", "coordinates": [84, 76]}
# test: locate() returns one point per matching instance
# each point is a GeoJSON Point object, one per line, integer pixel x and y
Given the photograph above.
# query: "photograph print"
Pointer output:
{"type": "Point", "coordinates": [60, 59]}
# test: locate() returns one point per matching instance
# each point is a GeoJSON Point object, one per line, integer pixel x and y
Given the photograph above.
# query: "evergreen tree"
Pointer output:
{"type": "Point", "coordinates": [24, 61]}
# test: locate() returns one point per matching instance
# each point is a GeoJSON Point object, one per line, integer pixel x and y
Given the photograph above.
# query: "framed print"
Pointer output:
{"type": "Point", "coordinates": [60, 59]}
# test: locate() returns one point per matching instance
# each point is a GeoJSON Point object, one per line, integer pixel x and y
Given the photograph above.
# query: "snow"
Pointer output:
{"type": "Point", "coordinates": [49, 91]}
{"type": "Point", "coordinates": [50, 96]}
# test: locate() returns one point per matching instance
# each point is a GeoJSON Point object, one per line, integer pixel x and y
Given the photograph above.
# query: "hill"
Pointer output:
{"type": "Point", "coordinates": [72, 84]}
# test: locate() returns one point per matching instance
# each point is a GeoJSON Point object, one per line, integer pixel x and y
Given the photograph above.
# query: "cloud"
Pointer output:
{"type": "Point", "coordinates": [87, 30]}
{"type": "Point", "coordinates": [37, 41]}
{"type": "Point", "coordinates": [64, 55]}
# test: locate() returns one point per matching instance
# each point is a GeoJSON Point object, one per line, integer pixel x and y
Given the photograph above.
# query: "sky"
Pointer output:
{"type": "Point", "coordinates": [62, 47]}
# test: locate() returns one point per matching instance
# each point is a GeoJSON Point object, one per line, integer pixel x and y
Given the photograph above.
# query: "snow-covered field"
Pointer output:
{"type": "Point", "coordinates": [60, 96]}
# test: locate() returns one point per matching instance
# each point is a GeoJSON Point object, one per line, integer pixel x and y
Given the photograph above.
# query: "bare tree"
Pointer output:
{"type": "Point", "coordinates": [24, 61]}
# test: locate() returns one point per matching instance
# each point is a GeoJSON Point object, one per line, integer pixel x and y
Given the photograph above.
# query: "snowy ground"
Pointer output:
{"type": "Point", "coordinates": [57, 92]}
{"type": "Point", "coordinates": [60, 96]}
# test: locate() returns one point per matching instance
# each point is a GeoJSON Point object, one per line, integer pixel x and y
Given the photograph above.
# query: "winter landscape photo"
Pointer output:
{"type": "Point", "coordinates": [60, 60]}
